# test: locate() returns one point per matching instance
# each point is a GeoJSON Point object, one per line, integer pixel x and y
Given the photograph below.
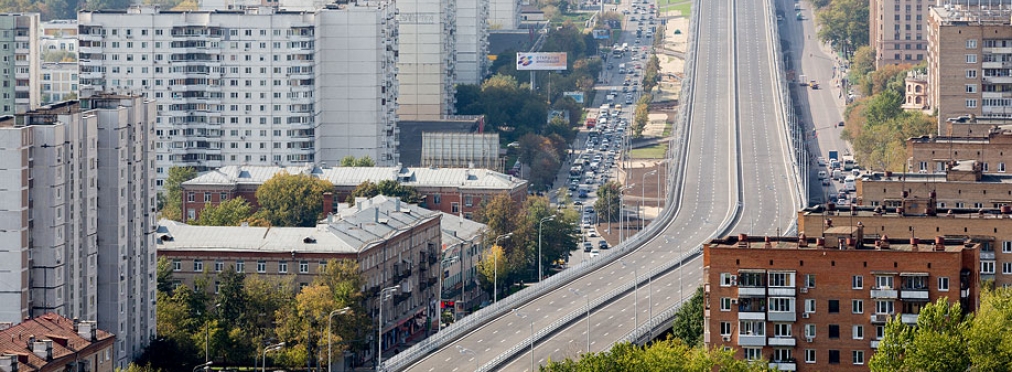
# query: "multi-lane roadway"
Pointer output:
{"type": "Point", "coordinates": [734, 176]}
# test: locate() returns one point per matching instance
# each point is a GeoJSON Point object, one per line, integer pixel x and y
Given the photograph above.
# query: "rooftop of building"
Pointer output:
{"type": "Point", "coordinates": [410, 144]}
{"type": "Point", "coordinates": [252, 10]}
{"type": "Point", "coordinates": [463, 178]}
{"type": "Point", "coordinates": [997, 132]}
{"type": "Point", "coordinates": [67, 340]}
{"type": "Point", "coordinates": [802, 242]}
{"type": "Point", "coordinates": [972, 15]}
{"type": "Point", "coordinates": [938, 177]}
{"type": "Point", "coordinates": [897, 212]}
{"type": "Point", "coordinates": [352, 230]}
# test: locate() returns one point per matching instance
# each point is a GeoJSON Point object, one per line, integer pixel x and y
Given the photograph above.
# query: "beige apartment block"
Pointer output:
{"type": "Point", "coordinates": [931, 154]}
{"type": "Point", "coordinates": [898, 31]}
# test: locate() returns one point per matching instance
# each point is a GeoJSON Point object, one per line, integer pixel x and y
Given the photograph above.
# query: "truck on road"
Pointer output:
{"type": "Point", "coordinates": [834, 155]}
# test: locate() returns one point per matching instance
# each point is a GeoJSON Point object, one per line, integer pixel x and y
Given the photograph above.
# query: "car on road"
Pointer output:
{"type": "Point", "coordinates": [814, 84]}
{"type": "Point", "coordinates": [595, 253]}
{"type": "Point", "coordinates": [583, 194]}
{"type": "Point", "coordinates": [840, 124]}
{"type": "Point", "coordinates": [578, 202]}
{"type": "Point", "coordinates": [825, 182]}
{"type": "Point", "coordinates": [821, 161]}
{"type": "Point", "coordinates": [591, 233]}
{"type": "Point", "coordinates": [587, 246]}
{"type": "Point", "coordinates": [603, 245]}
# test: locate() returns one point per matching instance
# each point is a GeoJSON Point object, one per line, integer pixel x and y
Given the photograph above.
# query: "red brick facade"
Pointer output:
{"type": "Point", "coordinates": [807, 305]}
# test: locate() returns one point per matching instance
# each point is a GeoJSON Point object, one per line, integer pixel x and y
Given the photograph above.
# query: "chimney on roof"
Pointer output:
{"type": "Point", "coordinates": [820, 242]}
{"type": "Point", "coordinates": [87, 331]}
{"type": "Point", "coordinates": [829, 222]}
{"type": "Point", "coordinates": [802, 240]}
{"type": "Point", "coordinates": [43, 349]}
{"type": "Point", "coordinates": [885, 241]}
{"type": "Point", "coordinates": [8, 363]}
{"type": "Point", "coordinates": [940, 243]}
{"type": "Point", "coordinates": [767, 242]}
{"type": "Point", "coordinates": [742, 240]}
{"type": "Point", "coordinates": [914, 242]}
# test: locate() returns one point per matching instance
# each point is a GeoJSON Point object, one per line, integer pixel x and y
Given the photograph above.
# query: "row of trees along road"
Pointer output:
{"type": "Point", "coordinates": [234, 315]}
{"type": "Point", "coordinates": [842, 23]}
{"type": "Point", "coordinates": [517, 256]}
{"type": "Point", "coordinates": [946, 340]}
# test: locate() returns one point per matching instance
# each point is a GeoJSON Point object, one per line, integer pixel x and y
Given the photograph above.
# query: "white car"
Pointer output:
{"type": "Point", "coordinates": [595, 253]}
{"type": "Point", "coordinates": [592, 233]}
{"type": "Point", "coordinates": [822, 161]}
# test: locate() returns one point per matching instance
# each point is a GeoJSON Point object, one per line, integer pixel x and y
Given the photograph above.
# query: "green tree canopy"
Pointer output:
{"type": "Point", "coordinates": [231, 212]}
{"type": "Point", "coordinates": [688, 325]}
{"type": "Point", "coordinates": [173, 201]}
{"type": "Point", "coordinates": [669, 355]}
{"type": "Point", "coordinates": [607, 204]}
{"type": "Point", "coordinates": [392, 188]}
{"type": "Point", "coordinates": [292, 199]}
{"type": "Point", "coordinates": [937, 344]}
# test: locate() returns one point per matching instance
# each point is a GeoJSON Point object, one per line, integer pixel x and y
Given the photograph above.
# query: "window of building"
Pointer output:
{"type": "Point", "coordinates": [781, 304]}
{"type": "Point", "coordinates": [834, 331]}
{"type": "Point", "coordinates": [971, 74]}
{"type": "Point", "coordinates": [884, 282]}
{"type": "Point", "coordinates": [283, 267]}
{"type": "Point", "coordinates": [834, 357]}
{"type": "Point", "coordinates": [809, 330]}
{"type": "Point", "coordinates": [809, 280]}
{"type": "Point", "coordinates": [240, 266]}
{"type": "Point", "coordinates": [781, 279]}
{"type": "Point", "coordinates": [857, 306]}
{"type": "Point", "coordinates": [858, 332]}
{"type": "Point", "coordinates": [782, 330]}
{"type": "Point", "coordinates": [884, 307]}
{"type": "Point", "coordinates": [987, 267]}
{"type": "Point", "coordinates": [880, 332]}
{"type": "Point", "coordinates": [782, 355]}
{"type": "Point", "coordinates": [454, 207]}
{"type": "Point", "coordinates": [971, 103]}
{"type": "Point", "coordinates": [261, 266]}
{"type": "Point", "coordinates": [303, 267]}
{"type": "Point", "coordinates": [752, 328]}
{"type": "Point", "coordinates": [971, 44]}
{"type": "Point", "coordinates": [177, 265]}
{"type": "Point", "coordinates": [1006, 268]}
{"type": "Point", "coordinates": [725, 328]}
{"type": "Point", "coordinates": [809, 305]}
{"type": "Point", "coordinates": [219, 266]}
{"type": "Point", "coordinates": [971, 88]}
{"type": "Point", "coordinates": [190, 197]}
{"type": "Point", "coordinates": [752, 353]}
{"type": "Point", "coordinates": [198, 266]}
{"type": "Point", "coordinates": [858, 356]}
{"type": "Point", "coordinates": [857, 282]}
{"type": "Point", "coordinates": [834, 306]}
{"type": "Point", "coordinates": [1001, 167]}
{"type": "Point", "coordinates": [971, 58]}
{"type": "Point", "coordinates": [725, 304]}
{"type": "Point", "coordinates": [436, 198]}
{"type": "Point", "coordinates": [727, 280]}
{"type": "Point", "coordinates": [809, 356]}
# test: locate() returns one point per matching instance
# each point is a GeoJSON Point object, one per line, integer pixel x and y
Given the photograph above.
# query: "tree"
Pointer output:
{"type": "Point", "coordinates": [164, 270]}
{"type": "Point", "coordinates": [844, 23]}
{"type": "Point", "coordinates": [173, 205]}
{"type": "Point", "coordinates": [669, 355]}
{"type": "Point", "coordinates": [348, 161]}
{"type": "Point", "coordinates": [292, 199]}
{"type": "Point", "coordinates": [936, 344]}
{"type": "Point", "coordinates": [391, 188]}
{"type": "Point", "coordinates": [688, 325]}
{"type": "Point", "coordinates": [989, 337]}
{"type": "Point", "coordinates": [231, 212]}
{"type": "Point", "coordinates": [642, 115]}
{"type": "Point", "coordinates": [107, 4]}
{"type": "Point", "coordinates": [608, 199]}
{"type": "Point", "coordinates": [365, 161]}
{"type": "Point", "coordinates": [492, 265]}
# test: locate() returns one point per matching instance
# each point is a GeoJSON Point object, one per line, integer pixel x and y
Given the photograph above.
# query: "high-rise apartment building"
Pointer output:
{"type": "Point", "coordinates": [253, 86]}
{"type": "Point", "coordinates": [504, 14]}
{"type": "Point", "coordinates": [822, 304]}
{"type": "Point", "coordinates": [78, 213]}
{"type": "Point", "coordinates": [19, 62]}
{"type": "Point", "coordinates": [426, 64]}
{"type": "Point", "coordinates": [897, 31]}
{"type": "Point", "coordinates": [472, 41]}
{"type": "Point", "coordinates": [969, 50]}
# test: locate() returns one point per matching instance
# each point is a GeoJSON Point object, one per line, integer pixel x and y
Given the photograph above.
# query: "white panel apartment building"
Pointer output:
{"type": "Point", "coordinates": [19, 62]}
{"type": "Point", "coordinates": [251, 86]}
{"type": "Point", "coordinates": [426, 62]}
{"type": "Point", "coordinates": [472, 41]}
{"type": "Point", "coordinates": [79, 194]}
{"type": "Point", "coordinates": [504, 14]}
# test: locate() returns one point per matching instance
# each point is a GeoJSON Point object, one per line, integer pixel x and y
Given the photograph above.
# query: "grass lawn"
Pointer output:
{"type": "Point", "coordinates": [577, 18]}
{"type": "Point", "coordinates": [684, 7]}
{"type": "Point", "coordinates": [657, 151]}
{"type": "Point", "coordinates": [667, 129]}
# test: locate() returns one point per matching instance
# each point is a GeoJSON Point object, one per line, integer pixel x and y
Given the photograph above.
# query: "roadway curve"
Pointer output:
{"type": "Point", "coordinates": [733, 116]}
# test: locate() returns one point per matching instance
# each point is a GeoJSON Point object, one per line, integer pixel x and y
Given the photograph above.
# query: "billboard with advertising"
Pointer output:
{"type": "Point", "coordinates": [577, 96]}
{"type": "Point", "coordinates": [541, 61]}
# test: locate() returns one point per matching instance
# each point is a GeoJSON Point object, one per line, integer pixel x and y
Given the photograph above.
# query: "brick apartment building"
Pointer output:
{"type": "Point", "coordinates": [394, 243]}
{"type": "Point", "coordinates": [931, 153]}
{"type": "Point", "coordinates": [821, 304]}
{"type": "Point", "coordinates": [52, 343]}
{"type": "Point", "coordinates": [992, 231]}
{"type": "Point", "coordinates": [449, 190]}
{"type": "Point", "coordinates": [962, 186]}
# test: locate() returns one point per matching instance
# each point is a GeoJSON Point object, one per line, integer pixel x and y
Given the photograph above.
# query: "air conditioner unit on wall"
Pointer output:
{"type": "Point", "coordinates": [809, 339]}
{"type": "Point", "coordinates": [806, 315]}
{"type": "Point", "coordinates": [727, 338]}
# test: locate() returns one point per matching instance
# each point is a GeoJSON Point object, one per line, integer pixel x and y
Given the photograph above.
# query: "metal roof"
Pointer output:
{"type": "Point", "coordinates": [462, 178]}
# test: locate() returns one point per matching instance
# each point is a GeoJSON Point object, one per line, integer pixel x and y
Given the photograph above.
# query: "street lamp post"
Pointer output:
{"type": "Point", "coordinates": [643, 193]}
{"type": "Point", "coordinates": [495, 268]}
{"type": "Point", "coordinates": [524, 316]}
{"type": "Point", "coordinates": [621, 212]}
{"type": "Point", "coordinates": [330, 328]}
{"type": "Point", "coordinates": [269, 348]}
{"type": "Point", "coordinates": [384, 295]}
{"type": "Point", "coordinates": [464, 350]}
{"type": "Point", "coordinates": [636, 291]}
{"type": "Point", "coordinates": [577, 292]}
{"type": "Point", "coordinates": [540, 223]}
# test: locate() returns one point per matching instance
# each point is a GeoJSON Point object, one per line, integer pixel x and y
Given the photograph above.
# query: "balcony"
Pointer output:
{"type": "Point", "coordinates": [751, 291]}
{"type": "Point", "coordinates": [919, 294]}
{"type": "Point", "coordinates": [986, 255]}
{"type": "Point", "coordinates": [997, 65]}
{"type": "Point", "coordinates": [751, 340]}
{"type": "Point", "coordinates": [990, 95]}
{"type": "Point", "coordinates": [996, 51]}
{"type": "Point", "coordinates": [782, 341]}
{"type": "Point", "coordinates": [749, 315]}
{"type": "Point", "coordinates": [874, 344]}
{"type": "Point", "coordinates": [884, 292]}
{"type": "Point", "coordinates": [782, 291]}
{"type": "Point", "coordinates": [998, 79]}
{"type": "Point", "coordinates": [909, 318]}
{"type": "Point", "coordinates": [880, 318]}
{"type": "Point", "coordinates": [782, 316]}
{"type": "Point", "coordinates": [784, 366]}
